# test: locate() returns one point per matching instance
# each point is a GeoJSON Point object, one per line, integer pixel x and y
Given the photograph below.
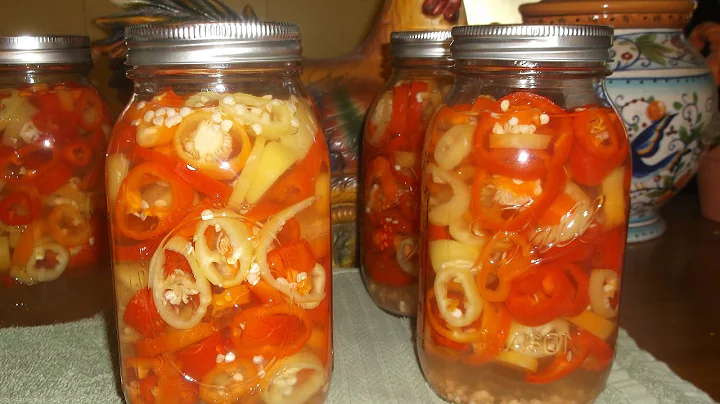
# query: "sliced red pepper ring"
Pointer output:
{"type": "Point", "coordinates": [599, 145]}
{"type": "Point", "coordinates": [382, 189]}
{"type": "Point", "coordinates": [142, 315]}
{"type": "Point", "coordinates": [541, 296]}
{"type": "Point", "coordinates": [504, 258]}
{"type": "Point", "coordinates": [279, 330]}
{"type": "Point", "coordinates": [582, 297]}
{"type": "Point", "coordinates": [29, 163]}
{"type": "Point", "coordinates": [59, 125]}
{"type": "Point", "coordinates": [151, 201]}
{"type": "Point", "coordinates": [78, 153]}
{"type": "Point", "coordinates": [175, 340]}
{"type": "Point", "coordinates": [227, 160]}
{"type": "Point", "coordinates": [513, 218]}
{"type": "Point", "coordinates": [199, 359]}
{"type": "Point", "coordinates": [292, 259]}
{"type": "Point", "coordinates": [496, 322]}
{"type": "Point", "coordinates": [398, 119]}
{"type": "Point", "coordinates": [385, 269]}
{"type": "Point", "coordinates": [531, 100]}
{"type": "Point", "coordinates": [54, 179]}
{"type": "Point", "coordinates": [208, 186]}
{"type": "Point", "coordinates": [68, 226]}
{"type": "Point", "coordinates": [229, 382]}
{"type": "Point", "coordinates": [580, 345]}
{"type": "Point", "coordinates": [89, 109]}
{"type": "Point", "coordinates": [19, 209]}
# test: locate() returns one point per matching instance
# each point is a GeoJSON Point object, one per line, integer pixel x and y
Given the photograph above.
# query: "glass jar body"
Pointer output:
{"type": "Point", "coordinates": [392, 160]}
{"type": "Point", "coordinates": [218, 182]}
{"type": "Point", "coordinates": [53, 241]}
{"type": "Point", "coordinates": [524, 222]}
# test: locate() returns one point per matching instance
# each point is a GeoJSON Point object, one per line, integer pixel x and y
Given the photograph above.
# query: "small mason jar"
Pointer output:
{"type": "Point", "coordinates": [219, 193]}
{"type": "Point", "coordinates": [392, 158]}
{"type": "Point", "coordinates": [525, 208]}
{"type": "Point", "coordinates": [53, 234]}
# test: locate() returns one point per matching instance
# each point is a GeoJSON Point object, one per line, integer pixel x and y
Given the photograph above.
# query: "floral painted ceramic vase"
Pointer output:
{"type": "Point", "coordinates": [661, 87]}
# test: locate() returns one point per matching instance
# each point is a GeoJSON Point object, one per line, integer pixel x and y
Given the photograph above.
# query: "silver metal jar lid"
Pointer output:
{"type": "Point", "coordinates": [535, 43]}
{"type": "Point", "coordinates": [35, 50]}
{"type": "Point", "coordinates": [420, 44]}
{"type": "Point", "coordinates": [212, 43]}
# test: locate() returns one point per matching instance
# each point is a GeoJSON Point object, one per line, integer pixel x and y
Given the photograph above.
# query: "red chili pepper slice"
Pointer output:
{"type": "Point", "coordinates": [581, 299]}
{"type": "Point", "coordinates": [493, 216]}
{"type": "Point", "coordinates": [211, 187]}
{"type": "Point", "coordinates": [384, 269]}
{"type": "Point", "coordinates": [142, 315]}
{"type": "Point", "coordinates": [599, 145]}
{"type": "Point", "coordinates": [199, 359]}
{"type": "Point", "coordinates": [19, 209]}
{"type": "Point", "coordinates": [54, 180]}
{"type": "Point", "coordinates": [532, 100]}
{"type": "Point", "coordinates": [78, 153]}
{"type": "Point", "coordinates": [89, 109]}
{"type": "Point", "coordinates": [59, 126]}
{"type": "Point", "coordinates": [140, 222]}
{"type": "Point", "coordinates": [540, 296]}
{"type": "Point", "coordinates": [565, 363]}
{"type": "Point", "coordinates": [398, 119]}
{"type": "Point", "coordinates": [279, 330]}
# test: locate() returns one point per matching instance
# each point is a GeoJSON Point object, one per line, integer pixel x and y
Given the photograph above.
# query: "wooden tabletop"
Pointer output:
{"type": "Point", "coordinates": [671, 295]}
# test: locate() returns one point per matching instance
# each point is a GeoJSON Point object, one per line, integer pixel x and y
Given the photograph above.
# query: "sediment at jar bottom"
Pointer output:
{"type": "Point", "coordinates": [527, 217]}
{"type": "Point", "coordinates": [394, 299]}
{"type": "Point", "coordinates": [221, 237]}
{"type": "Point", "coordinates": [494, 384]}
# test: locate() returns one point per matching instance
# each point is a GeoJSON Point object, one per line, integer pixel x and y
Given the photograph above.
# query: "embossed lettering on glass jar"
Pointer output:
{"type": "Point", "coordinates": [218, 183]}
{"type": "Point", "coordinates": [519, 302]}
{"type": "Point", "coordinates": [392, 159]}
{"type": "Point", "coordinates": [54, 126]}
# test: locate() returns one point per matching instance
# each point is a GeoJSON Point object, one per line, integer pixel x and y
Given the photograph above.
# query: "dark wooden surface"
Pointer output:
{"type": "Point", "coordinates": [671, 295]}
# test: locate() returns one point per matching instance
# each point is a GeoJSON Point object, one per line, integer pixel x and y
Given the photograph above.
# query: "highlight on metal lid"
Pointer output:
{"type": "Point", "coordinates": [536, 43]}
{"type": "Point", "coordinates": [212, 43]}
{"type": "Point", "coordinates": [420, 44]}
{"type": "Point", "coordinates": [39, 50]}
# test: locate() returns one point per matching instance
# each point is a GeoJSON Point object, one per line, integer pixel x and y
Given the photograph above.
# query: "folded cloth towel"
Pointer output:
{"type": "Point", "coordinates": [375, 362]}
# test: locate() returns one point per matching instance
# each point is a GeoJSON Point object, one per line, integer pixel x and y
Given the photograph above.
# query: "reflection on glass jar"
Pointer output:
{"type": "Point", "coordinates": [392, 148]}
{"type": "Point", "coordinates": [218, 183]}
{"type": "Point", "coordinates": [54, 125]}
{"type": "Point", "coordinates": [527, 182]}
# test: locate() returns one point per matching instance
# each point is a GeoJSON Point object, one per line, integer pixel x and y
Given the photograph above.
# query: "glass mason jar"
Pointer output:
{"type": "Point", "coordinates": [392, 150]}
{"type": "Point", "coordinates": [525, 206]}
{"type": "Point", "coordinates": [53, 234]}
{"type": "Point", "coordinates": [218, 183]}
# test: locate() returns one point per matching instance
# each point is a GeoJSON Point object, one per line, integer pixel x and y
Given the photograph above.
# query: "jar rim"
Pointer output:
{"type": "Point", "coordinates": [212, 43]}
{"type": "Point", "coordinates": [420, 44]}
{"type": "Point", "coordinates": [45, 50]}
{"type": "Point", "coordinates": [534, 43]}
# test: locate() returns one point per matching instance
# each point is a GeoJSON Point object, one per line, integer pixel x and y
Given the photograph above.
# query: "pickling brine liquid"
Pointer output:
{"type": "Point", "coordinates": [526, 216]}
{"type": "Point", "coordinates": [221, 247]}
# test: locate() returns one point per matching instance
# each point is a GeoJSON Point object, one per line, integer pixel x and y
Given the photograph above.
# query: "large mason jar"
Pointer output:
{"type": "Point", "coordinates": [218, 187]}
{"type": "Point", "coordinates": [392, 159]}
{"type": "Point", "coordinates": [529, 155]}
{"type": "Point", "coordinates": [53, 235]}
